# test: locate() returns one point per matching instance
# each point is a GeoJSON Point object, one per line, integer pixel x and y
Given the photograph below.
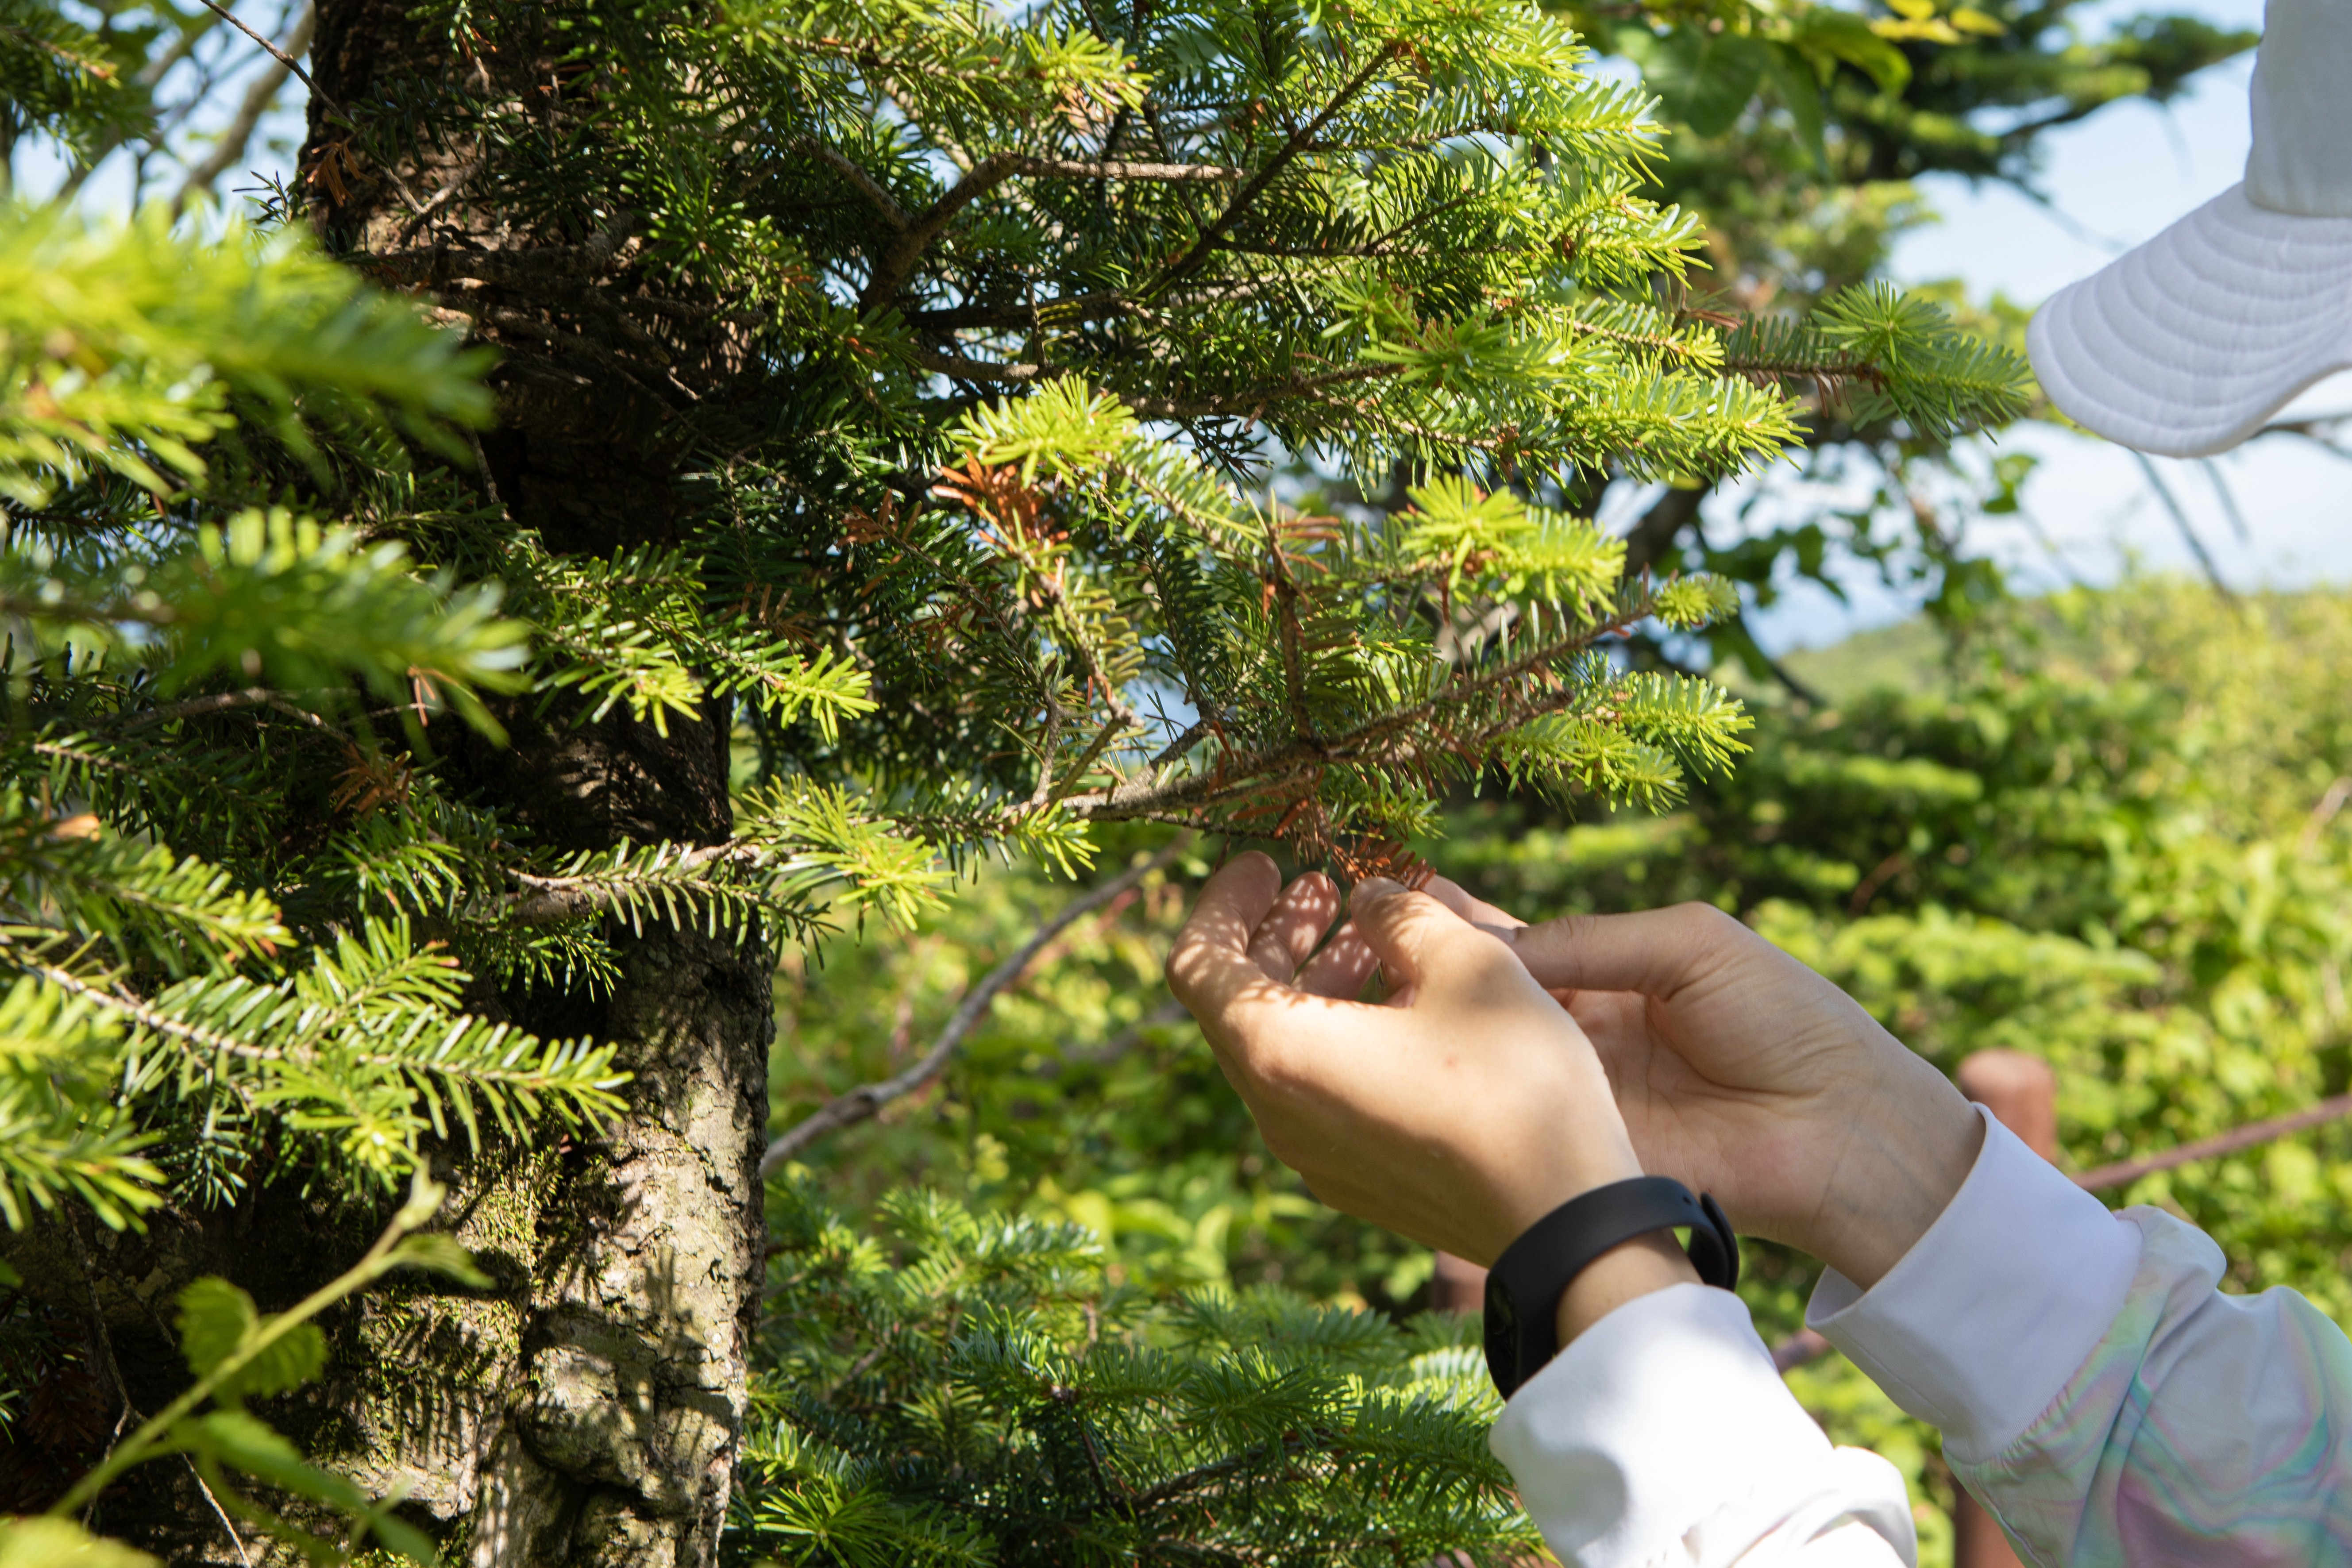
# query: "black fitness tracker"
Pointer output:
{"type": "Point", "coordinates": [1524, 1288]}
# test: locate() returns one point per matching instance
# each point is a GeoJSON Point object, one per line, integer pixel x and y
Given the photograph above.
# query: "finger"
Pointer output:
{"type": "Point", "coordinates": [1656, 952]}
{"type": "Point", "coordinates": [1470, 907]}
{"type": "Point", "coordinates": [1420, 942]}
{"type": "Point", "coordinates": [1341, 968]}
{"type": "Point", "coordinates": [1290, 929]}
{"type": "Point", "coordinates": [1210, 968]}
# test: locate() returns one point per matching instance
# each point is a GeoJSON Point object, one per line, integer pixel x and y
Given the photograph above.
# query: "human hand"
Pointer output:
{"type": "Point", "coordinates": [1741, 1072]}
{"type": "Point", "coordinates": [1459, 1112]}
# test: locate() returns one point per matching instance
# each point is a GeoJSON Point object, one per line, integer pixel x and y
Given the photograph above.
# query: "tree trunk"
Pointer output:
{"type": "Point", "coordinates": [586, 1410]}
{"type": "Point", "coordinates": [607, 1391]}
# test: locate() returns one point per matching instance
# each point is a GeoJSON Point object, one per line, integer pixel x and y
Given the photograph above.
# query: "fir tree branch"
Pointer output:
{"type": "Point", "coordinates": [917, 231]}
{"type": "Point", "coordinates": [549, 901]}
{"type": "Point", "coordinates": [873, 190]}
{"type": "Point", "coordinates": [1272, 766]}
{"type": "Point", "coordinates": [1196, 256]}
{"type": "Point", "coordinates": [864, 1102]}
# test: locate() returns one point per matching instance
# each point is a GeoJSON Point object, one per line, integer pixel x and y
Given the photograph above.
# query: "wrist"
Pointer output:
{"type": "Point", "coordinates": [1904, 1156]}
{"type": "Point", "coordinates": [1599, 1165]}
{"type": "Point", "coordinates": [1632, 1269]}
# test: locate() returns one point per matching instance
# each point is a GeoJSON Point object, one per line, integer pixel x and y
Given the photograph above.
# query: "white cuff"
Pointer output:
{"type": "Point", "coordinates": [1662, 1435]}
{"type": "Point", "coordinates": [1984, 1320]}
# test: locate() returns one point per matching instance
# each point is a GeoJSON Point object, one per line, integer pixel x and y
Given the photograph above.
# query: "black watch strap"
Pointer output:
{"type": "Point", "coordinates": [1524, 1288]}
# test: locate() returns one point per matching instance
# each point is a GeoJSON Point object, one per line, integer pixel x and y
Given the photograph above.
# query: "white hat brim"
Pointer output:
{"type": "Point", "coordinates": [2185, 346]}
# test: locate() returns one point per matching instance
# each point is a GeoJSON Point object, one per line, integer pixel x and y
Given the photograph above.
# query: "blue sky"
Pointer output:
{"type": "Point", "coordinates": [2117, 179]}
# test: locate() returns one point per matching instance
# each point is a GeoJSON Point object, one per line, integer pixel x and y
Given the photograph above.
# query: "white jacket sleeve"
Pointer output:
{"type": "Point", "coordinates": [1662, 1437]}
{"type": "Point", "coordinates": [2096, 1391]}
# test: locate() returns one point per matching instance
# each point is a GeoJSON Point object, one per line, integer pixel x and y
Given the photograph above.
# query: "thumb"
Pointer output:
{"type": "Point", "coordinates": [1424, 946]}
{"type": "Point", "coordinates": [1656, 952]}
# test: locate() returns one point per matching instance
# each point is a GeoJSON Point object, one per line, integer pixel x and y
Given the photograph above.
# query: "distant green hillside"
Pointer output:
{"type": "Point", "coordinates": [1906, 656]}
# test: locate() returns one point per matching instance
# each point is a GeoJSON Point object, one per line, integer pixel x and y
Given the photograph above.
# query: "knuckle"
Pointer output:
{"type": "Point", "coordinates": [1708, 922]}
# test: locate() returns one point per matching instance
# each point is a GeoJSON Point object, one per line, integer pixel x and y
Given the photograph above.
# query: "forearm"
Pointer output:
{"type": "Point", "coordinates": [1624, 1273]}
{"type": "Point", "coordinates": [1662, 1435]}
{"type": "Point", "coordinates": [1907, 1142]}
{"type": "Point", "coordinates": [2095, 1389]}
{"type": "Point", "coordinates": [2203, 1429]}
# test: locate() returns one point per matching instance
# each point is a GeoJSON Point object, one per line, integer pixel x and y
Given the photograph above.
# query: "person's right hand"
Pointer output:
{"type": "Point", "coordinates": [1741, 1072]}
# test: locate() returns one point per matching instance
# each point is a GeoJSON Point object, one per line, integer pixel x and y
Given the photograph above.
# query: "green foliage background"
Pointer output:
{"type": "Point", "coordinates": [2102, 829]}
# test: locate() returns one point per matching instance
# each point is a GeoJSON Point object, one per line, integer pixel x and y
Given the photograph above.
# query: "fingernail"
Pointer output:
{"type": "Point", "coordinates": [1373, 888]}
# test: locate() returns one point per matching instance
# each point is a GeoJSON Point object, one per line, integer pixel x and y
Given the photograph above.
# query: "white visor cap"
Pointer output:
{"type": "Point", "coordinates": [2187, 345]}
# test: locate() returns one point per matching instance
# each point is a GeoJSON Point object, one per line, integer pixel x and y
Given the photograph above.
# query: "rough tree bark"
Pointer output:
{"type": "Point", "coordinates": [604, 1430]}
{"type": "Point", "coordinates": [586, 1411]}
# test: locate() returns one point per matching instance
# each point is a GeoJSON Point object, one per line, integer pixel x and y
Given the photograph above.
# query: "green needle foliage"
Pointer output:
{"type": "Point", "coordinates": [967, 541]}
{"type": "Point", "coordinates": [967, 1389]}
{"type": "Point", "coordinates": [941, 355]}
{"type": "Point", "coordinates": [126, 348]}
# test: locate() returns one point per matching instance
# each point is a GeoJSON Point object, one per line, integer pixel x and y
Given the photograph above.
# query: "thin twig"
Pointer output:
{"type": "Point", "coordinates": [239, 131]}
{"type": "Point", "coordinates": [2180, 521]}
{"type": "Point", "coordinates": [1197, 254]}
{"type": "Point", "coordinates": [221, 1513]}
{"type": "Point", "coordinates": [2229, 500]}
{"type": "Point", "coordinates": [280, 56]}
{"type": "Point", "coordinates": [433, 203]}
{"type": "Point", "coordinates": [1167, 1014]}
{"type": "Point", "coordinates": [2123, 1172]}
{"type": "Point", "coordinates": [861, 1104]}
{"type": "Point", "coordinates": [221, 702]}
{"type": "Point", "coordinates": [99, 1339]}
{"type": "Point", "coordinates": [872, 189]}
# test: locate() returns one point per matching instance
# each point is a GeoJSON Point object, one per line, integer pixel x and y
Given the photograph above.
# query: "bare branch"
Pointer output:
{"type": "Point", "coordinates": [1113, 169]}
{"type": "Point", "coordinates": [2123, 1172]}
{"type": "Point", "coordinates": [1648, 541]}
{"type": "Point", "coordinates": [223, 703]}
{"type": "Point", "coordinates": [2188, 533]}
{"type": "Point", "coordinates": [867, 185]}
{"type": "Point", "coordinates": [439, 198]}
{"type": "Point", "coordinates": [439, 265]}
{"type": "Point", "coordinates": [280, 56]}
{"type": "Point", "coordinates": [915, 236]}
{"type": "Point", "coordinates": [963, 318]}
{"type": "Point", "coordinates": [916, 232]}
{"type": "Point", "coordinates": [239, 132]}
{"type": "Point", "coordinates": [862, 1103]}
{"type": "Point", "coordinates": [963, 368]}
